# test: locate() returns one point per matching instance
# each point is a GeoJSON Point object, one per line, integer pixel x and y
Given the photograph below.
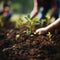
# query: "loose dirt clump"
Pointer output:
{"type": "Point", "coordinates": [17, 45]}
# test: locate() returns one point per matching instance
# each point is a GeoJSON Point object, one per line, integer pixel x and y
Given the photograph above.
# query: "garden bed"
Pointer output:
{"type": "Point", "coordinates": [16, 44]}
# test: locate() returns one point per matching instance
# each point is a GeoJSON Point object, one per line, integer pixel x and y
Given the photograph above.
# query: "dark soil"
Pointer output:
{"type": "Point", "coordinates": [28, 47]}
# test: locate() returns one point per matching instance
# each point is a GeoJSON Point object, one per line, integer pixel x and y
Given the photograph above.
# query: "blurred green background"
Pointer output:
{"type": "Point", "coordinates": [21, 6]}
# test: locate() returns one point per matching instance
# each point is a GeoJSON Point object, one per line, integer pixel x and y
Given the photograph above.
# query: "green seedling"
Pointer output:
{"type": "Point", "coordinates": [31, 24]}
{"type": "Point", "coordinates": [42, 21]}
{"type": "Point", "coordinates": [49, 35]}
{"type": "Point", "coordinates": [19, 22]}
{"type": "Point", "coordinates": [1, 20]}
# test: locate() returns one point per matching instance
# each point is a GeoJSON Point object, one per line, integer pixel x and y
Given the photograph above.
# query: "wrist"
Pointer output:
{"type": "Point", "coordinates": [46, 29]}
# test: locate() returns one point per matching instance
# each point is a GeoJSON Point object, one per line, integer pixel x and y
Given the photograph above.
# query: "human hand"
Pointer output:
{"type": "Point", "coordinates": [41, 31]}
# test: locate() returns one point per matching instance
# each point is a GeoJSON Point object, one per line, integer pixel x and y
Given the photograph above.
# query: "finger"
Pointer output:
{"type": "Point", "coordinates": [37, 31]}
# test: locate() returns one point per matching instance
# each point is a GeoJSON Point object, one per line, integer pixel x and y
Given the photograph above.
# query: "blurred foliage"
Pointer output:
{"type": "Point", "coordinates": [21, 6]}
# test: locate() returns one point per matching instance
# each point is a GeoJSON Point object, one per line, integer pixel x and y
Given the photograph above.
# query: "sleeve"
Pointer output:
{"type": "Point", "coordinates": [54, 2]}
{"type": "Point", "coordinates": [8, 16]}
